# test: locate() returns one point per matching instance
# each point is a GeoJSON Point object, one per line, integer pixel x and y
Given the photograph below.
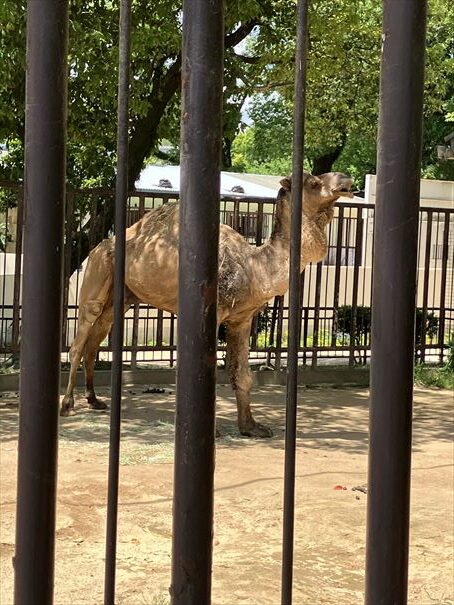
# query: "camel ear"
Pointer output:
{"type": "Point", "coordinates": [287, 183]}
{"type": "Point", "coordinates": [313, 182]}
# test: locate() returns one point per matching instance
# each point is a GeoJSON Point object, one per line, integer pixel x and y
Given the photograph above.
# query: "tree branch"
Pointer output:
{"type": "Point", "coordinates": [240, 33]}
{"type": "Point", "coordinates": [144, 132]}
{"type": "Point", "coordinates": [144, 135]}
{"type": "Point", "coordinates": [273, 85]}
{"type": "Point", "coordinates": [250, 60]}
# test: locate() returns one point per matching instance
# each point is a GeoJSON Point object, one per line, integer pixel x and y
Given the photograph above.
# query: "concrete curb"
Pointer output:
{"type": "Point", "coordinates": [339, 376]}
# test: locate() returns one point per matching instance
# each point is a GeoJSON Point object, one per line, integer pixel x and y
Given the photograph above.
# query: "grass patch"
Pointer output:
{"type": "Point", "coordinates": [434, 376]}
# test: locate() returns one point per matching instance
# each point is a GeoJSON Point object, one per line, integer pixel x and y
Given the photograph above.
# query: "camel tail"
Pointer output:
{"type": "Point", "coordinates": [97, 283]}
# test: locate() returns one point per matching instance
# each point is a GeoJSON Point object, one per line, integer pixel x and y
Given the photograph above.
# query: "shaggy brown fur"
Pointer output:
{"type": "Point", "coordinates": [249, 276]}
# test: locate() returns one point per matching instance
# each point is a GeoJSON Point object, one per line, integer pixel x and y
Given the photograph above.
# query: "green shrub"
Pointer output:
{"type": "Point", "coordinates": [364, 321]}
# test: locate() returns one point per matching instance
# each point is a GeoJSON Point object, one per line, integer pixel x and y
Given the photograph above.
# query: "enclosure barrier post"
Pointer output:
{"type": "Point", "coordinates": [202, 80]}
{"type": "Point", "coordinates": [17, 273]}
{"type": "Point", "coordinates": [45, 166]}
{"type": "Point", "coordinates": [121, 196]}
{"type": "Point", "coordinates": [444, 272]}
{"type": "Point", "coordinates": [294, 303]}
{"type": "Point", "coordinates": [393, 301]}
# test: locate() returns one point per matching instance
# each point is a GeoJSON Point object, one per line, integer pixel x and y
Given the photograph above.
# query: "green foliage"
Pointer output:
{"type": "Point", "coordinates": [342, 93]}
{"type": "Point", "coordinates": [5, 237]}
{"type": "Point", "coordinates": [433, 376]}
{"type": "Point", "coordinates": [431, 326]}
{"type": "Point", "coordinates": [92, 87]}
{"type": "Point", "coordinates": [342, 90]}
{"type": "Point", "coordinates": [363, 322]}
{"type": "Point", "coordinates": [449, 365]}
{"type": "Point", "coordinates": [266, 148]}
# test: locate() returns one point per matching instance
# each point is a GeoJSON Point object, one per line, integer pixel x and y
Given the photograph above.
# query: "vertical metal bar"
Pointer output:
{"type": "Point", "coordinates": [318, 287]}
{"type": "Point", "coordinates": [393, 327]}
{"type": "Point", "coordinates": [18, 271]}
{"type": "Point", "coordinates": [444, 272]}
{"type": "Point", "coordinates": [340, 226]}
{"type": "Point", "coordinates": [274, 319]}
{"type": "Point", "coordinates": [92, 228]}
{"type": "Point", "coordinates": [135, 335]}
{"type": "Point", "coordinates": [236, 215]}
{"type": "Point", "coordinates": [357, 262]}
{"type": "Point", "coordinates": [159, 328]}
{"type": "Point", "coordinates": [363, 326]}
{"type": "Point", "coordinates": [425, 296]}
{"type": "Point", "coordinates": [374, 216]}
{"type": "Point", "coordinates": [67, 264]}
{"type": "Point", "coordinates": [3, 303]}
{"type": "Point", "coordinates": [294, 303]}
{"type": "Point", "coordinates": [280, 321]}
{"type": "Point", "coordinates": [259, 230]}
{"type": "Point", "coordinates": [436, 258]}
{"type": "Point", "coordinates": [136, 308]}
{"type": "Point", "coordinates": [121, 195]}
{"type": "Point", "coordinates": [254, 332]}
{"type": "Point", "coordinates": [303, 318]}
{"type": "Point", "coordinates": [45, 166]}
{"type": "Point", "coordinates": [202, 82]}
{"type": "Point", "coordinates": [172, 339]}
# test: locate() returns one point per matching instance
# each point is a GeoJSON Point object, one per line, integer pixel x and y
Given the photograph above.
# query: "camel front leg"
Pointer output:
{"type": "Point", "coordinates": [241, 378]}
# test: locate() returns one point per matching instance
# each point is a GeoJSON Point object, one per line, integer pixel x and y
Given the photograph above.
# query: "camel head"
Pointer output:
{"type": "Point", "coordinates": [320, 192]}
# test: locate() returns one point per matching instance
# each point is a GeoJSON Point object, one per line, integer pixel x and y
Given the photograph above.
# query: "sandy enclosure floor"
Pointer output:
{"type": "Point", "coordinates": [330, 523]}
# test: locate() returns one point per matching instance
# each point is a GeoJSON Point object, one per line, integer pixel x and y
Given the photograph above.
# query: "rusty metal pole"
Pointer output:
{"type": "Point", "coordinates": [121, 195]}
{"type": "Point", "coordinates": [294, 303]}
{"type": "Point", "coordinates": [202, 80]}
{"type": "Point", "coordinates": [393, 300]}
{"type": "Point", "coordinates": [45, 168]}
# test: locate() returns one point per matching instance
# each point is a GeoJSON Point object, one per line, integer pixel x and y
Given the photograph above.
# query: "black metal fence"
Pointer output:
{"type": "Point", "coordinates": [335, 295]}
{"type": "Point", "coordinates": [335, 299]}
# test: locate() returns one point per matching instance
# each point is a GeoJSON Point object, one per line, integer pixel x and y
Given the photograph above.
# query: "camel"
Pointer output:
{"type": "Point", "coordinates": [249, 276]}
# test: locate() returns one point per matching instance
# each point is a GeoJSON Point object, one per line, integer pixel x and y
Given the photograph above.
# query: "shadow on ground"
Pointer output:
{"type": "Point", "coordinates": [329, 418]}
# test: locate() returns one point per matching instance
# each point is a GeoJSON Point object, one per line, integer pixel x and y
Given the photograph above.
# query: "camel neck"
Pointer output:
{"type": "Point", "coordinates": [280, 236]}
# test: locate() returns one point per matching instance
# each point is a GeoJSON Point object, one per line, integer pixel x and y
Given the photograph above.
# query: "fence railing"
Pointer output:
{"type": "Point", "coordinates": [336, 293]}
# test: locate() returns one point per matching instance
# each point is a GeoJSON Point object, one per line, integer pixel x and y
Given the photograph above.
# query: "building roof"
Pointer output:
{"type": "Point", "coordinates": [232, 183]}
{"type": "Point", "coordinates": [264, 186]}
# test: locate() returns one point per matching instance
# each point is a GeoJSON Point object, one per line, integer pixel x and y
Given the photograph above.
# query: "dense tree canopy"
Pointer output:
{"type": "Point", "coordinates": [155, 68]}
{"type": "Point", "coordinates": [342, 93]}
{"type": "Point", "coordinates": [342, 98]}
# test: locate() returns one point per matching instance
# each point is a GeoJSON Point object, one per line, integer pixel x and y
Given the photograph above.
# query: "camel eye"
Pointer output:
{"type": "Point", "coordinates": [315, 183]}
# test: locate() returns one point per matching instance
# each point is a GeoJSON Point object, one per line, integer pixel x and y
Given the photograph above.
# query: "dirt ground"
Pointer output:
{"type": "Point", "coordinates": [330, 523]}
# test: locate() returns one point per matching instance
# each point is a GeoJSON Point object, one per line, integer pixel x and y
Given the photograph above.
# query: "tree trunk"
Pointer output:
{"type": "Point", "coordinates": [324, 163]}
{"type": "Point", "coordinates": [226, 153]}
{"type": "Point", "coordinates": [144, 137]}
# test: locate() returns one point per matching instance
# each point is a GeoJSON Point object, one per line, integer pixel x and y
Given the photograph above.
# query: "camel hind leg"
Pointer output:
{"type": "Point", "coordinates": [94, 293]}
{"type": "Point", "coordinates": [99, 332]}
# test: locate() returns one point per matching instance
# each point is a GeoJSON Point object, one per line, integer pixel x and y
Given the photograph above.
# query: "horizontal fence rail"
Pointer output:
{"type": "Point", "coordinates": [335, 293]}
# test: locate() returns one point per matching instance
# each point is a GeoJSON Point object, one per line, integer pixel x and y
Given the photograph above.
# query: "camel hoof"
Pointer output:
{"type": "Point", "coordinates": [96, 404]}
{"type": "Point", "coordinates": [67, 406]}
{"type": "Point", "coordinates": [65, 412]}
{"type": "Point", "coordinates": [258, 430]}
